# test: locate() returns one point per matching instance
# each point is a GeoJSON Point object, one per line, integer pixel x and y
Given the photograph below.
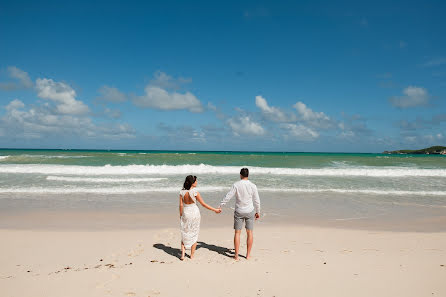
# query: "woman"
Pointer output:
{"type": "Point", "coordinates": [190, 215]}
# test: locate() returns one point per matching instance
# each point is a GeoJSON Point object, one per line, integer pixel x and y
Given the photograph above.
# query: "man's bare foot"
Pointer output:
{"type": "Point", "coordinates": [248, 257]}
{"type": "Point", "coordinates": [236, 258]}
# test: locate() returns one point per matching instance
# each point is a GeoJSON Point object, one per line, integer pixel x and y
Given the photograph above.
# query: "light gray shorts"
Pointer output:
{"type": "Point", "coordinates": [247, 218]}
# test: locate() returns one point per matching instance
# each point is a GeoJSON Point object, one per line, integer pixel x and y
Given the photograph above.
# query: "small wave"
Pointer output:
{"type": "Point", "coordinates": [104, 179]}
{"type": "Point", "coordinates": [110, 190]}
{"type": "Point", "coordinates": [53, 169]}
{"type": "Point", "coordinates": [359, 191]}
{"type": "Point", "coordinates": [3, 157]}
{"type": "Point", "coordinates": [135, 190]}
{"type": "Point", "coordinates": [48, 156]}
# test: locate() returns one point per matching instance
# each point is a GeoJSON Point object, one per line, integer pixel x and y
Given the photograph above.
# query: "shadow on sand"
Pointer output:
{"type": "Point", "coordinates": [214, 248]}
{"type": "Point", "coordinates": [169, 250]}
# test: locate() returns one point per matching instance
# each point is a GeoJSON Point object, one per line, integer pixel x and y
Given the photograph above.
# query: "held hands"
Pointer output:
{"type": "Point", "coordinates": [217, 210]}
{"type": "Point", "coordinates": [257, 215]}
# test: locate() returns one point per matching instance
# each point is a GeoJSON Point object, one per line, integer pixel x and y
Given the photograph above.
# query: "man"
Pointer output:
{"type": "Point", "coordinates": [247, 208]}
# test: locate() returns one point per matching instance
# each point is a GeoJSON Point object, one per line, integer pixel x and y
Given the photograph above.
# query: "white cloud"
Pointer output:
{"type": "Point", "coordinates": [165, 81]}
{"type": "Point", "coordinates": [23, 81]}
{"type": "Point", "coordinates": [243, 125]}
{"type": "Point", "coordinates": [111, 94]}
{"type": "Point", "coordinates": [21, 121]}
{"type": "Point", "coordinates": [62, 94]}
{"type": "Point", "coordinates": [15, 104]}
{"type": "Point", "coordinates": [212, 106]}
{"type": "Point", "coordinates": [300, 132]}
{"type": "Point", "coordinates": [21, 76]}
{"type": "Point", "coordinates": [312, 118]}
{"type": "Point", "coordinates": [435, 62]}
{"type": "Point", "coordinates": [158, 96]}
{"type": "Point", "coordinates": [413, 96]}
{"type": "Point", "coordinates": [272, 113]}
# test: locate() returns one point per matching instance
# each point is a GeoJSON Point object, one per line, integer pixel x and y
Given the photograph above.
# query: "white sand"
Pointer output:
{"type": "Point", "coordinates": [287, 260]}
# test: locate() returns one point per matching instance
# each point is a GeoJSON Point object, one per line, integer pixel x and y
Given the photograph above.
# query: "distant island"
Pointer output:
{"type": "Point", "coordinates": [433, 150]}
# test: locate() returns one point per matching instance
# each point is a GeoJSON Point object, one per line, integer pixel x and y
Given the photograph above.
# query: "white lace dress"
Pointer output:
{"type": "Point", "coordinates": [190, 220]}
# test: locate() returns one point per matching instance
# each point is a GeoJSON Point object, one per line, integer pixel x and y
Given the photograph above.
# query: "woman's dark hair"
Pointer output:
{"type": "Point", "coordinates": [244, 172]}
{"type": "Point", "coordinates": [190, 179]}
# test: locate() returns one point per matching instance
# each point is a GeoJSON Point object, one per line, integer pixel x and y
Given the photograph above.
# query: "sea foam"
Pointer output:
{"type": "Point", "coordinates": [209, 169]}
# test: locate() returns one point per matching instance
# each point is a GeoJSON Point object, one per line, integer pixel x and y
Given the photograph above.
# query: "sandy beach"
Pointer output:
{"type": "Point", "coordinates": [287, 260]}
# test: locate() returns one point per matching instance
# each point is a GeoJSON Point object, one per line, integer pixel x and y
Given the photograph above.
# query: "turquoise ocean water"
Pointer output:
{"type": "Point", "coordinates": [125, 172]}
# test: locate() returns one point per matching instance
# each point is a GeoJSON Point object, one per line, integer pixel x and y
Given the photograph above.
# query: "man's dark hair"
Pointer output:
{"type": "Point", "coordinates": [244, 172]}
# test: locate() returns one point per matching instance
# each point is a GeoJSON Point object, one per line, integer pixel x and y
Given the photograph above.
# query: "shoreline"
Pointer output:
{"type": "Point", "coordinates": [149, 218]}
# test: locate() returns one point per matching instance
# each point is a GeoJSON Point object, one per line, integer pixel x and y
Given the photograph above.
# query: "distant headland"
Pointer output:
{"type": "Point", "coordinates": [433, 150]}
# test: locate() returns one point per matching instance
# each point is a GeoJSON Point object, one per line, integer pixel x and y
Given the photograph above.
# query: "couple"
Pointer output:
{"type": "Point", "coordinates": [247, 208]}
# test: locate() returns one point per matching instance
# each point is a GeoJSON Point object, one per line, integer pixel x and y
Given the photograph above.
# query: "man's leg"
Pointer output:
{"type": "Point", "coordinates": [249, 241]}
{"type": "Point", "coordinates": [236, 243]}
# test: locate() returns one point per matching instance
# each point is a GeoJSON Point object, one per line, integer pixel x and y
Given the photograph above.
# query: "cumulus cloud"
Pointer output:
{"type": "Point", "coordinates": [413, 96]}
{"type": "Point", "coordinates": [300, 132]}
{"type": "Point", "coordinates": [21, 121]}
{"type": "Point", "coordinates": [15, 104]}
{"type": "Point", "coordinates": [158, 95]}
{"type": "Point", "coordinates": [111, 94]}
{"type": "Point", "coordinates": [312, 118]}
{"type": "Point", "coordinates": [435, 62]}
{"type": "Point", "coordinates": [273, 113]}
{"type": "Point", "coordinates": [183, 133]}
{"type": "Point", "coordinates": [62, 95]}
{"type": "Point", "coordinates": [244, 125]}
{"type": "Point", "coordinates": [165, 81]}
{"type": "Point", "coordinates": [21, 80]}
{"type": "Point", "coordinates": [353, 127]}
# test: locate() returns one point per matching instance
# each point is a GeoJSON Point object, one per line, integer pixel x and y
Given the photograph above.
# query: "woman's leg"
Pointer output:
{"type": "Point", "coordinates": [183, 251]}
{"type": "Point", "coordinates": [192, 250]}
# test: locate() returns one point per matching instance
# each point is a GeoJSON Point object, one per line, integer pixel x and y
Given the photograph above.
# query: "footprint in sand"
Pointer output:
{"type": "Point", "coordinates": [130, 294]}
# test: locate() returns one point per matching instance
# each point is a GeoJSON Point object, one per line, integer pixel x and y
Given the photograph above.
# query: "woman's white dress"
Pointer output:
{"type": "Point", "coordinates": [190, 220]}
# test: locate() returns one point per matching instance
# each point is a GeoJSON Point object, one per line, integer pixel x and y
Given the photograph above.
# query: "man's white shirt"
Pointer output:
{"type": "Point", "coordinates": [247, 197]}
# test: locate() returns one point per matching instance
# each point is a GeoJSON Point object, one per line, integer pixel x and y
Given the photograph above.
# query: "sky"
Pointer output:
{"type": "Point", "coordinates": [318, 76]}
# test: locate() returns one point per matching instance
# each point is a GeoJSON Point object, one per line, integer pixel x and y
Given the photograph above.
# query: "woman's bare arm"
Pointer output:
{"type": "Point", "coordinates": [181, 205]}
{"type": "Point", "coordinates": [200, 199]}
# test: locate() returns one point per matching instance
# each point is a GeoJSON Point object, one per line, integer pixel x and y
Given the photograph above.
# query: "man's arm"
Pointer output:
{"type": "Point", "coordinates": [256, 200]}
{"type": "Point", "coordinates": [228, 196]}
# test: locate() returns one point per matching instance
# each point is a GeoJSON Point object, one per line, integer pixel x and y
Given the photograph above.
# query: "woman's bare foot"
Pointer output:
{"type": "Point", "coordinates": [183, 251]}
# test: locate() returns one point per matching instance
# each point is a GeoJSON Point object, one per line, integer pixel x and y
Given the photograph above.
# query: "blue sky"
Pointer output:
{"type": "Point", "coordinates": [236, 75]}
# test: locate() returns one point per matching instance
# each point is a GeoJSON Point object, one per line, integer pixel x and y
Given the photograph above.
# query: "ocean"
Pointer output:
{"type": "Point", "coordinates": [125, 172]}
{"type": "Point", "coordinates": [374, 191]}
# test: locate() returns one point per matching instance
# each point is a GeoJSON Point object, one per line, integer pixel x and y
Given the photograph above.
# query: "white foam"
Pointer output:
{"type": "Point", "coordinates": [104, 179]}
{"type": "Point", "coordinates": [50, 156]}
{"type": "Point", "coordinates": [3, 157]}
{"type": "Point", "coordinates": [109, 190]}
{"type": "Point", "coordinates": [359, 191]}
{"type": "Point", "coordinates": [53, 169]}
{"type": "Point", "coordinates": [135, 190]}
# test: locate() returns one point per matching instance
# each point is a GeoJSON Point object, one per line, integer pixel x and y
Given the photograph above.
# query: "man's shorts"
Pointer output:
{"type": "Point", "coordinates": [247, 218]}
